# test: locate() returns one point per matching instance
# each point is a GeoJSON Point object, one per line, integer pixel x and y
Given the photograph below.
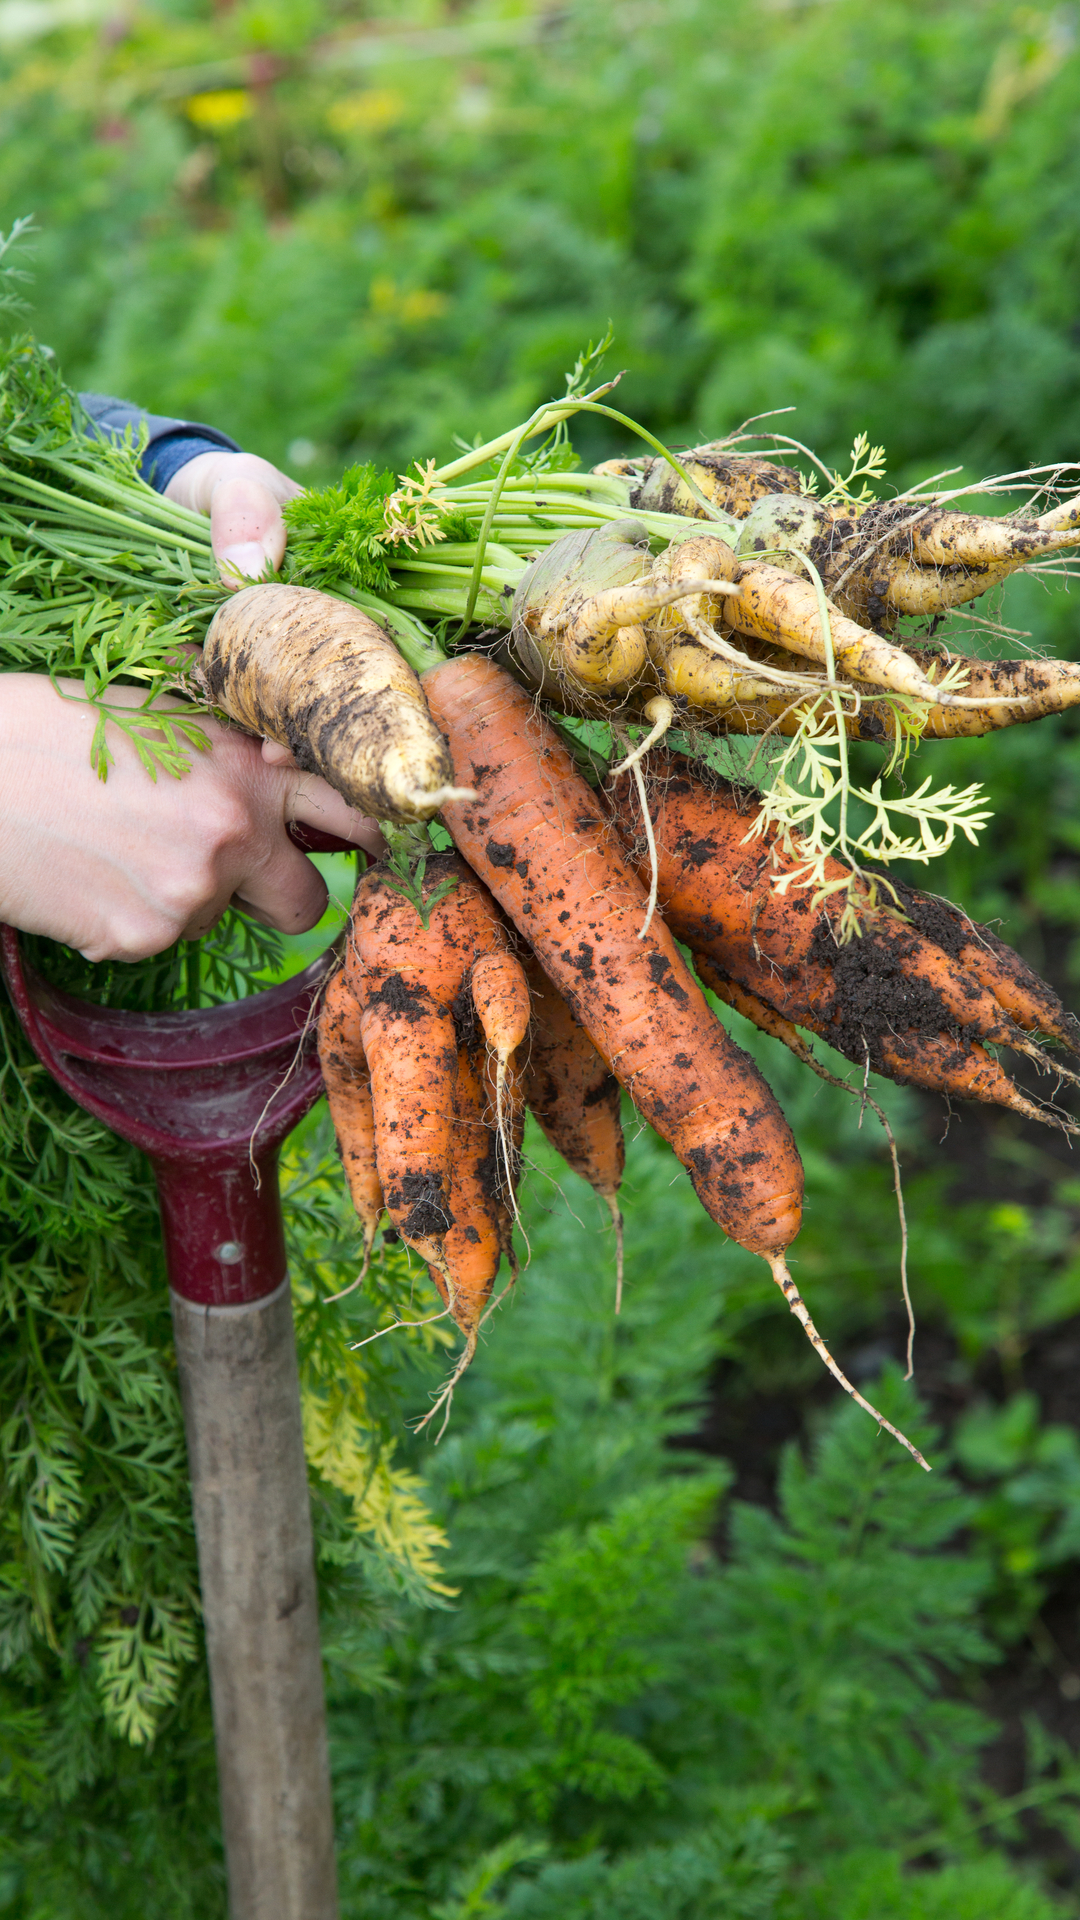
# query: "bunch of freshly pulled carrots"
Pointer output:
{"type": "Point", "coordinates": [538, 965]}
{"type": "Point", "coordinates": [445, 647]}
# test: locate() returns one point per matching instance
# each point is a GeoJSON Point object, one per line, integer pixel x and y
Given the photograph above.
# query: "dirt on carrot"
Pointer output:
{"type": "Point", "coordinates": [575, 1097]}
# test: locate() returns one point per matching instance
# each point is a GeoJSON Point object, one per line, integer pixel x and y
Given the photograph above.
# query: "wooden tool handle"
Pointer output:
{"type": "Point", "coordinates": [238, 1377]}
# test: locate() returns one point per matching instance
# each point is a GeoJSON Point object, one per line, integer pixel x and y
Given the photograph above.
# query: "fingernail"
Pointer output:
{"type": "Point", "coordinates": [246, 559]}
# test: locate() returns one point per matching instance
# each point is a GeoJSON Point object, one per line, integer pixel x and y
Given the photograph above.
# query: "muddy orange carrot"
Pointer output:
{"type": "Point", "coordinates": [871, 998]}
{"type": "Point", "coordinates": [483, 1220]}
{"type": "Point", "coordinates": [1017, 988]}
{"type": "Point", "coordinates": [489, 1120]}
{"type": "Point", "coordinates": [575, 1097]}
{"type": "Point", "coordinates": [538, 837]}
{"type": "Point", "coordinates": [408, 978]}
{"type": "Point", "coordinates": [716, 888]}
{"type": "Point", "coordinates": [752, 1007]}
{"type": "Point", "coordinates": [348, 1090]}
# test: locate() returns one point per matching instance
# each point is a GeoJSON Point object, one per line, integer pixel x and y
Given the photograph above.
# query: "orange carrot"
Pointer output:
{"type": "Point", "coordinates": [412, 983]}
{"type": "Point", "coordinates": [484, 1174]}
{"type": "Point", "coordinates": [500, 994]}
{"type": "Point", "coordinates": [764, 1017]}
{"type": "Point", "coordinates": [1016, 987]}
{"type": "Point", "coordinates": [348, 1090]}
{"type": "Point", "coordinates": [575, 1098]}
{"type": "Point", "coordinates": [538, 837]}
{"type": "Point", "coordinates": [890, 1000]}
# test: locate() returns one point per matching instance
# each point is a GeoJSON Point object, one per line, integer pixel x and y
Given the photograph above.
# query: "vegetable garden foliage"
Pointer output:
{"type": "Point", "coordinates": [601, 1717]}
{"type": "Point", "coordinates": [864, 211]}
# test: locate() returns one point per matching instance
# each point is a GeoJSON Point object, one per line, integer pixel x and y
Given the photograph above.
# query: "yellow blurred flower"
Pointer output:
{"type": "Point", "coordinates": [420, 303]}
{"type": "Point", "coordinates": [215, 111]}
{"type": "Point", "coordinates": [367, 112]}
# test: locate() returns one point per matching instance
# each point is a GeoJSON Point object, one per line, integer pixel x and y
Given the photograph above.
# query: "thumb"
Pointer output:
{"type": "Point", "coordinates": [247, 531]}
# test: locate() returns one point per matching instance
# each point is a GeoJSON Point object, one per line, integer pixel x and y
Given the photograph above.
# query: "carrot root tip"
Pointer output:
{"type": "Point", "coordinates": [430, 802]}
{"type": "Point", "coordinates": [790, 1291]}
{"type": "Point", "coordinates": [445, 1399]}
{"type": "Point", "coordinates": [369, 1242]}
{"type": "Point", "coordinates": [617, 1223]}
{"type": "Point", "coordinates": [661, 711]}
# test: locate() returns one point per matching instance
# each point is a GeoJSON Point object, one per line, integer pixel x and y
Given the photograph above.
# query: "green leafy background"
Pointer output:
{"type": "Point", "coordinates": [660, 1628]}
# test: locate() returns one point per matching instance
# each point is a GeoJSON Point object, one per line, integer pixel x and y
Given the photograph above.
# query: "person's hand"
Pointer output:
{"type": "Point", "coordinates": [119, 869]}
{"type": "Point", "coordinates": [243, 497]}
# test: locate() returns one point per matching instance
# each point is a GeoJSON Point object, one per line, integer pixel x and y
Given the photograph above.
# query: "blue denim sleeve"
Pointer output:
{"type": "Point", "coordinates": [172, 442]}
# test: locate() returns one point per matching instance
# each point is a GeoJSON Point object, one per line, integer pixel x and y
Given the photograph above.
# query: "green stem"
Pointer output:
{"type": "Point", "coordinates": [21, 485]}
{"type": "Point", "coordinates": [453, 602]}
{"type": "Point", "coordinates": [151, 504]}
{"type": "Point", "coordinates": [514, 442]}
{"type": "Point", "coordinates": [547, 416]}
{"type": "Point", "coordinates": [836, 701]}
{"type": "Point", "coordinates": [611, 413]}
{"type": "Point", "coordinates": [145, 587]}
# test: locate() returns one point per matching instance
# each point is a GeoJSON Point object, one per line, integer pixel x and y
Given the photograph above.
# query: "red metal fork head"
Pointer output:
{"type": "Point", "coordinates": [208, 1095]}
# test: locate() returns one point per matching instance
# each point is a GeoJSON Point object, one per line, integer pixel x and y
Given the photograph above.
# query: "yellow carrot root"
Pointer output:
{"type": "Point", "coordinates": [554, 594]}
{"type": "Point", "coordinates": [710, 686]}
{"type": "Point", "coordinates": [921, 590]}
{"type": "Point", "coordinates": [775, 607]}
{"type": "Point", "coordinates": [999, 693]}
{"type": "Point", "coordinates": [946, 539]}
{"type": "Point", "coordinates": [731, 481]}
{"type": "Point", "coordinates": [319, 677]}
